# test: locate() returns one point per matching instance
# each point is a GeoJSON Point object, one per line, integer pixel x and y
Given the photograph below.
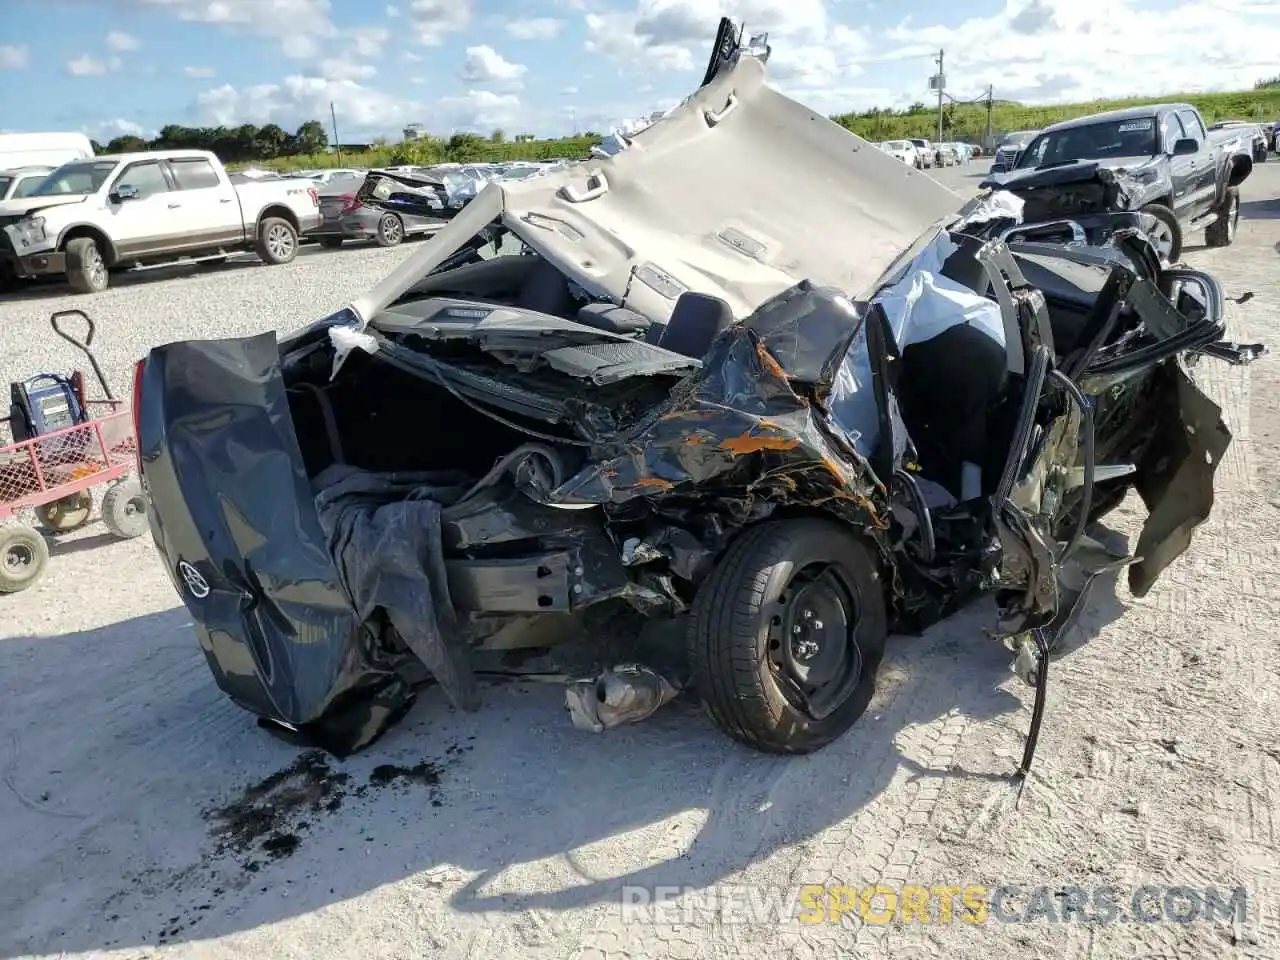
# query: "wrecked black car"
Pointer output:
{"type": "Point", "coordinates": [750, 371]}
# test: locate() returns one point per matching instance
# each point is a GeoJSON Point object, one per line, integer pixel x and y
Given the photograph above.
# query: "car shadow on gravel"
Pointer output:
{"type": "Point", "coordinates": [48, 289]}
{"type": "Point", "coordinates": [126, 768]}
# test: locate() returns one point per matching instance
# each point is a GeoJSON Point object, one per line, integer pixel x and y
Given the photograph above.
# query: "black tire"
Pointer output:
{"type": "Point", "coordinates": [277, 241]}
{"type": "Point", "coordinates": [1222, 232]}
{"type": "Point", "coordinates": [23, 557]}
{"type": "Point", "coordinates": [124, 509]}
{"type": "Point", "coordinates": [86, 268]}
{"type": "Point", "coordinates": [66, 513]}
{"type": "Point", "coordinates": [331, 243]}
{"type": "Point", "coordinates": [741, 613]}
{"type": "Point", "coordinates": [390, 231]}
{"type": "Point", "coordinates": [1169, 221]}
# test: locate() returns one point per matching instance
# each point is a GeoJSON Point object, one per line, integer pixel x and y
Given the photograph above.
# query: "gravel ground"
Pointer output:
{"type": "Point", "coordinates": [136, 798]}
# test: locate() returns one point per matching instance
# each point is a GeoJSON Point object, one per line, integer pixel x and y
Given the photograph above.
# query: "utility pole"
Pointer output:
{"type": "Point", "coordinates": [333, 116]}
{"type": "Point", "coordinates": [942, 80]}
{"type": "Point", "coordinates": [986, 143]}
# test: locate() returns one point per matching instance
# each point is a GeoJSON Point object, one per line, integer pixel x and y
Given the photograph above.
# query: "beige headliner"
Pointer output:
{"type": "Point", "coordinates": [824, 204]}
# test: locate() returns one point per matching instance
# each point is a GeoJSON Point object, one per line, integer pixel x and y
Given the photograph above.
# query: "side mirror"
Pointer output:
{"type": "Point", "coordinates": [1185, 146]}
{"type": "Point", "coordinates": [123, 192]}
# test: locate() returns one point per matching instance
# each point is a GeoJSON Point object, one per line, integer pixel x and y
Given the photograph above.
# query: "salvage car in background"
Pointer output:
{"type": "Point", "coordinates": [903, 150]}
{"type": "Point", "coordinates": [1009, 148]}
{"type": "Point", "coordinates": [343, 217]}
{"type": "Point", "coordinates": [1254, 133]}
{"type": "Point", "coordinates": [1158, 159]}
{"type": "Point", "coordinates": [618, 387]}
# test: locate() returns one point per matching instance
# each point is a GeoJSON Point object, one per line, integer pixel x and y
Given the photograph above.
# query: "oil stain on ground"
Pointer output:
{"type": "Point", "coordinates": [270, 816]}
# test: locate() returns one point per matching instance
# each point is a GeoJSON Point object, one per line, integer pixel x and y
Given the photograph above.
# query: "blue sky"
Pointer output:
{"type": "Point", "coordinates": [116, 66]}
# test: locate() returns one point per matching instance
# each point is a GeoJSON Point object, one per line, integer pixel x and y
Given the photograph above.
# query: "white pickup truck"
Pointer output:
{"type": "Point", "coordinates": [137, 210]}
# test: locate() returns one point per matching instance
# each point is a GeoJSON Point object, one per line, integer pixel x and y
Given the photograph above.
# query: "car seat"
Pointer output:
{"type": "Point", "coordinates": [546, 290]}
{"type": "Point", "coordinates": [950, 389]}
{"type": "Point", "coordinates": [696, 320]}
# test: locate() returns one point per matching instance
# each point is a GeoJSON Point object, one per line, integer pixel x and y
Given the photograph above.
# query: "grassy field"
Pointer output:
{"type": "Point", "coordinates": [969, 121]}
{"type": "Point", "coordinates": [962, 121]}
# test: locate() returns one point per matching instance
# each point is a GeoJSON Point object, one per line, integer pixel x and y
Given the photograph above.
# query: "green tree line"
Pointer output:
{"type": "Point", "coordinates": [308, 146]}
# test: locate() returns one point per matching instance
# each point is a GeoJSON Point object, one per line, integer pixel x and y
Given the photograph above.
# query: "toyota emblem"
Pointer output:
{"type": "Point", "coordinates": [196, 583]}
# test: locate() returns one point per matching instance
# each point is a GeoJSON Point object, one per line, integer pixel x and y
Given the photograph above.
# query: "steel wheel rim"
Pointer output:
{"type": "Point", "coordinates": [94, 266]}
{"type": "Point", "coordinates": [1233, 217]}
{"type": "Point", "coordinates": [18, 558]}
{"type": "Point", "coordinates": [813, 650]}
{"type": "Point", "coordinates": [391, 227]}
{"type": "Point", "coordinates": [279, 241]}
{"type": "Point", "coordinates": [1162, 238]}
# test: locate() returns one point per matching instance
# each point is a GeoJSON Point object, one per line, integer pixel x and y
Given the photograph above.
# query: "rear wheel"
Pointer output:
{"type": "Point", "coordinates": [787, 634]}
{"type": "Point", "coordinates": [66, 513]}
{"type": "Point", "coordinates": [390, 231]}
{"type": "Point", "coordinates": [277, 241]}
{"type": "Point", "coordinates": [86, 269]}
{"type": "Point", "coordinates": [1166, 233]}
{"type": "Point", "coordinates": [1222, 232]}
{"type": "Point", "coordinates": [23, 557]}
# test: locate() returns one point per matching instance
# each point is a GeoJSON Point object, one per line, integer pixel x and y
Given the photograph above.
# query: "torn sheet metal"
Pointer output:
{"type": "Point", "coordinates": [384, 534]}
{"type": "Point", "coordinates": [627, 693]}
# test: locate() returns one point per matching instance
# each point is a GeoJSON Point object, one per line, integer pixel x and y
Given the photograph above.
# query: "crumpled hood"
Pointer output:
{"type": "Point", "coordinates": [23, 206]}
{"type": "Point", "coordinates": [1077, 172]}
{"type": "Point", "coordinates": [740, 192]}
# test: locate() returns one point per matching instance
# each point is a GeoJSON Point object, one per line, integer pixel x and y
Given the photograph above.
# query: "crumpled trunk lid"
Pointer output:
{"type": "Point", "coordinates": [234, 516]}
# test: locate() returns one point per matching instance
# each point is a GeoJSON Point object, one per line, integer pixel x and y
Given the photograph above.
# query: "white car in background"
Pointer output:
{"type": "Point", "coordinates": [903, 150]}
{"type": "Point", "coordinates": [21, 181]}
{"type": "Point", "coordinates": [134, 210]}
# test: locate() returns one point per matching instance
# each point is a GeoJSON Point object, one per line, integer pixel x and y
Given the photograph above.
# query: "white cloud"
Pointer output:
{"type": "Point", "coordinates": [1073, 50]}
{"type": "Point", "coordinates": [536, 28]}
{"type": "Point", "coordinates": [485, 65]}
{"type": "Point", "coordinates": [433, 20]}
{"type": "Point", "coordinates": [13, 58]}
{"type": "Point", "coordinates": [110, 129]}
{"type": "Point", "coordinates": [569, 92]}
{"type": "Point", "coordinates": [411, 57]}
{"type": "Point", "coordinates": [122, 42]}
{"type": "Point", "coordinates": [479, 110]}
{"type": "Point", "coordinates": [361, 110]}
{"type": "Point", "coordinates": [342, 69]}
{"type": "Point", "coordinates": [87, 66]}
{"type": "Point", "coordinates": [368, 41]}
{"type": "Point", "coordinates": [392, 11]}
{"type": "Point", "coordinates": [298, 25]}
{"type": "Point", "coordinates": [198, 72]}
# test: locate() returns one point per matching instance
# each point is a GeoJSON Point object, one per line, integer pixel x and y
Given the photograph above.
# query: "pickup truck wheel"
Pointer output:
{"type": "Point", "coordinates": [786, 635]}
{"type": "Point", "coordinates": [390, 231]}
{"type": "Point", "coordinates": [1166, 234]}
{"type": "Point", "coordinates": [277, 241]}
{"type": "Point", "coordinates": [1222, 233]}
{"type": "Point", "coordinates": [86, 270]}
